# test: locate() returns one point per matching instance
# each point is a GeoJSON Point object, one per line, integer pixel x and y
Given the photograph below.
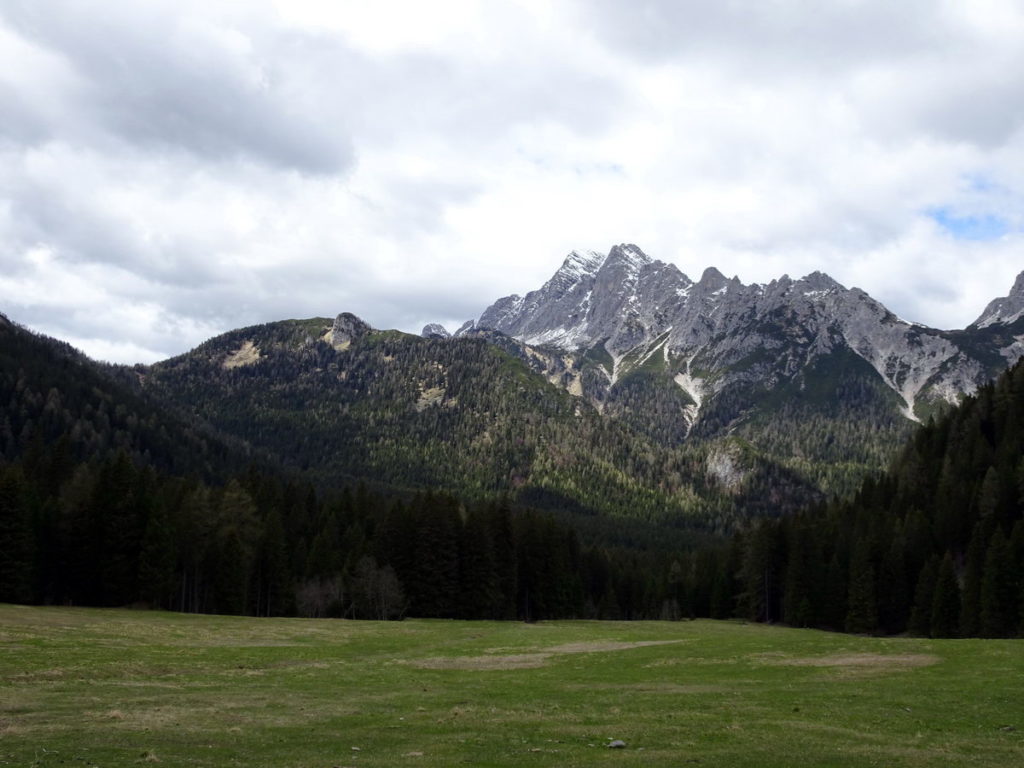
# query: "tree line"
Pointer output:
{"type": "Point", "coordinates": [935, 546]}
{"type": "Point", "coordinates": [111, 533]}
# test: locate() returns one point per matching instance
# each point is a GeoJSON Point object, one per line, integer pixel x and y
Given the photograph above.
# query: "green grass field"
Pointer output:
{"type": "Point", "coordinates": [81, 687]}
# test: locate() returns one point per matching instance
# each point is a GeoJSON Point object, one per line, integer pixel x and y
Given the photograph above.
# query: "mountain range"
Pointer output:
{"type": "Point", "coordinates": [620, 389]}
{"type": "Point", "coordinates": [716, 332]}
{"type": "Point", "coordinates": [813, 374]}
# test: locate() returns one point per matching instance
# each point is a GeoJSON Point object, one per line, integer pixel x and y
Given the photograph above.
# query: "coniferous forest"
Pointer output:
{"type": "Point", "coordinates": [108, 497]}
{"type": "Point", "coordinates": [935, 546]}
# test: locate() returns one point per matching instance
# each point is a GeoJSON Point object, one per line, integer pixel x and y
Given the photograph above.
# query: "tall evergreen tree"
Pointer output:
{"type": "Point", "coordinates": [998, 590]}
{"type": "Point", "coordinates": [945, 614]}
{"type": "Point", "coordinates": [479, 597]}
{"type": "Point", "coordinates": [970, 614]}
{"type": "Point", "coordinates": [118, 513]}
{"type": "Point", "coordinates": [433, 588]}
{"type": "Point", "coordinates": [157, 560]}
{"type": "Point", "coordinates": [16, 540]}
{"type": "Point", "coordinates": [862, 606]}
{"type": "Point", "coordinates": [924, 595]}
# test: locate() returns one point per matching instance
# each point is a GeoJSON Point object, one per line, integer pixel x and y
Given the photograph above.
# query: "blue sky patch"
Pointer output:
{"type": "Point", "coordinates": [986, 227]}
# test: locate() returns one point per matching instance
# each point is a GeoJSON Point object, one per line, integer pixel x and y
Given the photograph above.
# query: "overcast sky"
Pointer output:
{"type": "Point", "coordinates": [172, 170]}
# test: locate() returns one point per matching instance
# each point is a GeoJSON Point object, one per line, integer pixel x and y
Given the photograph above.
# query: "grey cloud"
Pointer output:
{"type": "Point", "coordinates": [21, 124]}
{"type": "Point", "coordinates": [62, 214]}
{"type": "Point", "coordinates": [306, 135]}
{"type": "Point", "coordinates": [148, 80]}
{"type": "Point", "coordinates": [283, 97]}
{"type": "Point", "coordinates": [805, 35]}
{"type": "Point", "coordinates": [946, 79]}
{"type": "Point", "coordinates": [986, 113]}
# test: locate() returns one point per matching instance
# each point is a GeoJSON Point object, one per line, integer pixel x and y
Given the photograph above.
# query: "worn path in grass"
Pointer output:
{"type": "Point", "coordinates": [81, 687]}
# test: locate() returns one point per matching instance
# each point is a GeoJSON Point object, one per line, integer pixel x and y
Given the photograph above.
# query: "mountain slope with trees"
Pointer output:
{"type": "Point", "coordinates": [935, 546]}
{"type": "Point", "coordinates": [339, 402]}
{"type": "Point", "coordinates": [820, 378]}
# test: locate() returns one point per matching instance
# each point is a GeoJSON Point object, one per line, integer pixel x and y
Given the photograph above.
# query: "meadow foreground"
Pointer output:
{"type": "Point", "coordinates": [117, 688]}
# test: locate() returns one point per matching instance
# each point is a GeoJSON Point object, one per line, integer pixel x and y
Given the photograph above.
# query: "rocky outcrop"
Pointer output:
{"type": "Point", "coordinates": [435, 331]}
{"type": "Point", "coordinates": [717, 332]}
{"type": "Point", "coordinates": [346, 329]}
{"type": "Point", "coordinates": [1004, 310]}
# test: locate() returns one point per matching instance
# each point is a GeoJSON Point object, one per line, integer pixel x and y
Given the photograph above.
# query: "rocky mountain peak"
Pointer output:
{"type": "Point", "coordinates": [1005, 310]}
{"type": "Point", "coordinates": [579, 263]}
{"type": "Point", "coordinates": [718, 334]}
{"type": "Point", "coordinates": [465, 328]}
{"type": "Point", "coordinates": [346, 328]}
{"type": "Point", "coordinates": [712, 280]}
{"type": "Point", "coordinates": [435, 331]}
{"type": "Point", "coordinates": [818, 281]}
{"type": "Point", "coordinates": [1018, 286]}
{"type": "Point", "coordinates": [629, 256]}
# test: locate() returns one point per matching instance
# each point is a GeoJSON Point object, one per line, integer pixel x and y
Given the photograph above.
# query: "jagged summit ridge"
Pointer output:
{"type": "Point", "coordinates": [588, 297]}
{"type": "Point", "coordinates": [718, 332]}
{"type": "Point", "coordinates": [579, 263]}
{"type": "Point", "coordinates": [1006, 309]}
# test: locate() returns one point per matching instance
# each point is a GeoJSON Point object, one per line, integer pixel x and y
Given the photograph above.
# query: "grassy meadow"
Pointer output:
{"type": "Point", "coordinates": [86, 687]}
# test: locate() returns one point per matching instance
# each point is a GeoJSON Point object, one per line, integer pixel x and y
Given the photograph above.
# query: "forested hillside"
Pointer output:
{"type": "Point", "coordinates": [51, 393]}
{"type": "Point", "coordinates": [935, 546]}
{"type": "Point", "coordinates": [115, 488]}
{"type": "Point", "coordinates": [110, 533]}
{"type": "Point", "coordinates": [106, 498]}
{"type": "Point", "coordinates": [341, 402]}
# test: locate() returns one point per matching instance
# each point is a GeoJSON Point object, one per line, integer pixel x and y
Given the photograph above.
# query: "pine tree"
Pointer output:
{"type": "Point", "coordinates": [924, 594]}
{"type": "Point", "coordinates": [119, 516]}
{"type": "Point", "coordinates": [478, 588]}
{"type": "Point", "coordinates": [970, 613]}
{"type": "Point", "coordinates": [945, 614]}
{"type": "Point", "coordinates": [236, 532]}
{"type": "Point", "coordinates": [998, 590]}
{"type": "Point", "coordinates": [433, 587]}
{"type": "Point", "coordinates": [1017, 550]}
{"type": "Point", "coordinates": [502, 536]}
{"type": "Point", "coordinates": [762, 561]}
{"type": "Point", "coordinates": [16, 541]}
{"type": "Point", "coordinates": [836, 594]}
{"type": "Point", "coordinates": [895, 597]}
{"type": "Point", "coordinates": [797, 605]}
{"type": "Point", "coordinates": [275, 590]}
{"type": "Point", "coordinates": [862, 610]}
{"type": "Point", "coordinates": [157, 560]}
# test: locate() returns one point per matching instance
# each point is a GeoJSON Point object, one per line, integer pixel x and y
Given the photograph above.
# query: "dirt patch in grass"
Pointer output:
{"type": "Point", "coordinates": [516, 661]}
{"type": "Point", "coordinates": [858, 661]}
{"type": "Point", "coordinates": [531, 660]}
{"type": "Point", "coordinates": [600, 646]}
{"type": "Point", "coordinates": [655, 688]}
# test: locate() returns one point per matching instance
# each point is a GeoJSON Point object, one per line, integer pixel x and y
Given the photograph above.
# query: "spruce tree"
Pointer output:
{"type": "Point", "coordinates": [924, 594]}
{"type": "Point", "coordinates": [157, 560]}
{"type": "Point", "coordinates": [16, 541]}
{"type": "Point", "coordinates": [119, 516]}
{"type": "Point", "coordinates": [275, 588]}
{"type": "Point", "coordinates": [862, 609]}
{"type": "Point", "coordinates": [945, 615]}
{"type": "Point", "coordinates": [895, 597]}
{"type": "Point", "coordinates": [797, 606]}
{"type": "Point", "coordinates": [479, 597]}
{"type": "Point", "coordinates": [970, 613]}
{"type": "Point", "coordinates": [998, 590]}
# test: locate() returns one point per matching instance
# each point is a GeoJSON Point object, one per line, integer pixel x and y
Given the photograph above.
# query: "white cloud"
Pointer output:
{"type": "Point", "coordinates": [190, 167]}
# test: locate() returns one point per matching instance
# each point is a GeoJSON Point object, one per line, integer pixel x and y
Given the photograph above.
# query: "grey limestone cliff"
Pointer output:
{"type": "Point", "coordinates": [717, 333]}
